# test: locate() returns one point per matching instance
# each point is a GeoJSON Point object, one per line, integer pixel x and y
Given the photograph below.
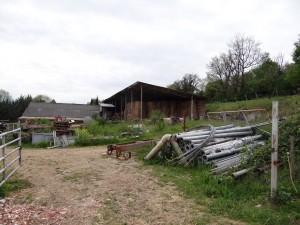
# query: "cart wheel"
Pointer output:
{"type": "Point", "coordinates": [126, 155]}
{"type": "Point", "coordinates": [118, 153]}
{"type": "Point", "coordinates": [109, 152]}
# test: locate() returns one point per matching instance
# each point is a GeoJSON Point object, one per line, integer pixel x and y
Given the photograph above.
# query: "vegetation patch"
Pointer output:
{"type": "Point", "coordinates": [78, 176]}
{"type": "Point", "coordinates": [14, 185]}
{"type": "Point", "coordinates": [247, 199]}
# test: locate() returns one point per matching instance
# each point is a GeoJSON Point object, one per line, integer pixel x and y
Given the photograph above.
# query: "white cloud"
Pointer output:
{"type": "Point", "coordinates": [74, 50]}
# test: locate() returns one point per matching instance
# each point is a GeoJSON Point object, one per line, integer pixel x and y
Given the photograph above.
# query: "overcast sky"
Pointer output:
{"type": "Point", "coordinates": [74, 50]}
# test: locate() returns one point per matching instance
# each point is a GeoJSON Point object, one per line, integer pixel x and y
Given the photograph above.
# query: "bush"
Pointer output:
{"type": "Point", "coordinates": [26, 138]}
{"type": "Point", "coordinates": [82, 134]}
{"type": "Point", "coordinates": [94, 128]}
{"type": "Point", "coordinates": [14, 185]}
{"type": "Point", "coordinates": [156, 118]}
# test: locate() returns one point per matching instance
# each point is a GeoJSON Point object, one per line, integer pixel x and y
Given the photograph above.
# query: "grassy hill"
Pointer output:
{"type": "Point", "coordinates": [288, 105]}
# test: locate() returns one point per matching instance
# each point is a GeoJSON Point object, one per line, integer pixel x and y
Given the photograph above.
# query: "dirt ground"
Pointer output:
{"type": "Point", "coordinates": [84, 186]}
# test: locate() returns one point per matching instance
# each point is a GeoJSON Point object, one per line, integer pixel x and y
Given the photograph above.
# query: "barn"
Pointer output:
{"type": "Point", "coordinates": [138, 100]}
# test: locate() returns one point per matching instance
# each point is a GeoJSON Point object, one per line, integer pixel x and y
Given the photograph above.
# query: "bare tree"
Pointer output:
{"type": "Point", "coordinates": [5, 96]}
{"type": "Point", "coordinates": [245, 55]}
{"type": "Point", "coordinates": [221, 68]}
{"type": "Point", "coordinates": [279, 59]}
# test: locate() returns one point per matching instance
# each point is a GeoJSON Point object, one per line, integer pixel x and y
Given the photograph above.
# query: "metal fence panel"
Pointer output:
{"type": "Point", "coordinates": [10, 159]}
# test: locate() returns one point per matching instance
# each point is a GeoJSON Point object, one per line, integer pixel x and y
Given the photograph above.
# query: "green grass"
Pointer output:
{"type": "Point", "coordinates": [288, 105]}
{"type": "Point", "coordinates": [13, 185]}
{"type": "Point", "coordinates": [110, 133]}
{"type": "Point", "coordinates": [246, 200]}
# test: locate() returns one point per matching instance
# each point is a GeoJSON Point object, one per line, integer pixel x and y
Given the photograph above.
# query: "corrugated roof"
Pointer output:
{"type": "Point", "coordinates": [106, 105]}
{"type": "Point", "coordinates": [46, 110]}
{"type": "Point", "coordinates": [153, 92]}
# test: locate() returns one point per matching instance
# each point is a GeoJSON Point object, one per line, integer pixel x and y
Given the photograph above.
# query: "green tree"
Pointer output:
{"type": "Point", "coordinates": [293, 70]}
{"type": "Point", "coordinates": [190, 83]}
{"type": "Point", "coordinates": [94, 101]}
{"type": "Point", "coordinates": [213, 91]}
{"type": "Point", "coordinates": [221, 69]}
{"type": "Point", "coordinates": [266, 79]}
{"type": "Point", "coordinates": [13, 109]}
{"type": "Point", "coordinates": [43, 98]}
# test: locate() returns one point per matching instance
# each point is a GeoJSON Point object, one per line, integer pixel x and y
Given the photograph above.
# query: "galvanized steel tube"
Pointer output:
{"type": "Point", "coordinates": [158, 147]}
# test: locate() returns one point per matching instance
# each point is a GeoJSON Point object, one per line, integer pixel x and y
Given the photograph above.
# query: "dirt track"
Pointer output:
{"type": "Point", "coordinates": [83, 186]}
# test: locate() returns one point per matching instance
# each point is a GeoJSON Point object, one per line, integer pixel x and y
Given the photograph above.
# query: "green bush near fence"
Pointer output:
{"type": "Point", "coordinates": [13, 185]}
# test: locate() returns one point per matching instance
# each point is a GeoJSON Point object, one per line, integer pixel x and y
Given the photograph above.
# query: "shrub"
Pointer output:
{"type": "Point", "coordinates": [94, 128]}
{"type": "Point", "coordinates": [156, 118]}
{"type": "Point", "coordinates": [14, 185]}
{"type": "Point", "coordinates": [82, 134]}
{"type": "Point", "coordinates": [26, 138]}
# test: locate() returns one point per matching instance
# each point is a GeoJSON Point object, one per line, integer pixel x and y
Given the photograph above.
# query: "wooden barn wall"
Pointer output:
{"type": "Point", "coordinates": [132, 110]}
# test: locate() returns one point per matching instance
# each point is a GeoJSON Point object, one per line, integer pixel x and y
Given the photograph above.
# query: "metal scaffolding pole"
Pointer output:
{"type": "Point", "coordinates": [274, 156]}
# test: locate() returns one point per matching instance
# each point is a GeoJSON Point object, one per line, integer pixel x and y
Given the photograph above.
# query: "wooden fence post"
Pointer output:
{"type": "Point", "coordinates": [292, 157]}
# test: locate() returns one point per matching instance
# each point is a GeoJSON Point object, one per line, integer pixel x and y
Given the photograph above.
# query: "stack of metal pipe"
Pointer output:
{"type": "Point", "coordinates": [218, 146]}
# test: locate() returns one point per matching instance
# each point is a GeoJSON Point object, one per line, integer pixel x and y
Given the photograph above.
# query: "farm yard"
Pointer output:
{"type": "Point", "coordinates": [81, 184]}
{"type": "Point", "coordinates": [85, 186]}
{"type": "Point", "coordinates": [143, 112]}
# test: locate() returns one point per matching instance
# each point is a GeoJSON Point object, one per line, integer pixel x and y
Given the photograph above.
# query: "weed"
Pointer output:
{"type": "Point", "coordinates": [29, 198]}
{"type": "Point", "coordinates": [84, 176]}
{"type": "Point", "coordinates": [14, 185]}
{"type": "Point", "coordinates": [110, 209]}
{"type": "Point", "coordinates": [96, 220]}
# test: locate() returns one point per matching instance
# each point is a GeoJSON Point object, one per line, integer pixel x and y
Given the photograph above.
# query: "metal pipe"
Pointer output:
{"type": "Point", "coordinates": [223, 135]}
{"type": "Point", "coordinates": [194, 144]}
{"type": "Point", "coordinates": [206, 158]}
{"type": "Point", "coordinates": [177, 149]}
{"type": "Point", "coordinates": [240, 173]}
{"type": "Point", "coordinates": [191, 155]}
{"type": "Point", "coordinates": [230, 144]}
{"type": "Point", "coordinates": [158, 147]}
{"type": "Point", "coordinates": [225, 168]}
{"type": "Point", "coordinates": [222, 160]}
{"type": "Point", "coordinates": [227, 163]}
{"type": "Point", "coordinates": [175, 146]}
{"type": "Point", "coordinates": [231, 130]}
{"type": "Point", "coordinates": [196, 129]}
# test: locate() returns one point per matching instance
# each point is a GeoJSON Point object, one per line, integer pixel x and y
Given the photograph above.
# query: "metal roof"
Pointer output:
{"type": "Point", "coordinates": [105, 105]}
{"type": "Point", "coordinates": [50, 110]}
{"type": "Point", "coordinates": [153, 93]}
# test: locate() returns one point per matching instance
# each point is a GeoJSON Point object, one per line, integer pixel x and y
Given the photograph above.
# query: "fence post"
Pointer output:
{"type": "Point", "coordinates": [292, 157]}
{"type": "Point", "coordinates": [274, 156]}
{"type": "Point", "coordinates": [3, 155]}
{"type": "Point", "coordinates": [20, 146]}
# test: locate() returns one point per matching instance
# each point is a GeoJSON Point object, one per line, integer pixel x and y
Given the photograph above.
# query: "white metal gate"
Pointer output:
{"type": "Point", "coordinates": [10, 158]}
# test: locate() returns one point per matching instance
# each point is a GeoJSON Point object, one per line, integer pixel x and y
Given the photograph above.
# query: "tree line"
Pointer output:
{"type": "Point", "coordinates": [11, 110]}
{"type": "Point", "coordinates": [244, 71]}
